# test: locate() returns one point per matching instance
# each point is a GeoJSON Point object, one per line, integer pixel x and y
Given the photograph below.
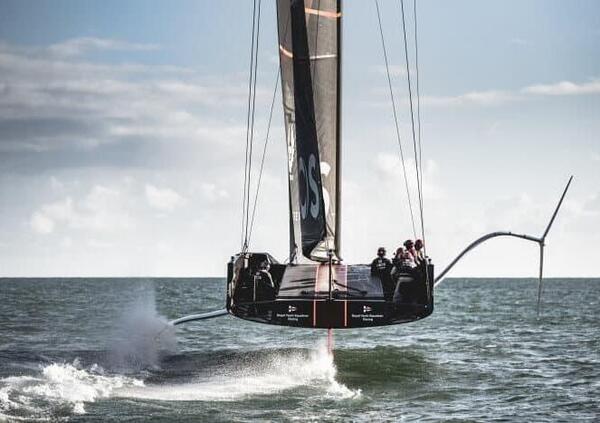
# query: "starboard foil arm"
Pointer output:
{"type": "Point", "coordinates": [539, 240]}
{"type": "Point", "coordinates": [202, 316]}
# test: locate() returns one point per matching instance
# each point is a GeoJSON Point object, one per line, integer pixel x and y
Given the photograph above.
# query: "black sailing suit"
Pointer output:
{"type": "Point", "coordinates": [381, 267]}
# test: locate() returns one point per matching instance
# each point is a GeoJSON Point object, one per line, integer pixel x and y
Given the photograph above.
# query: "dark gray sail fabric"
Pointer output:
{"type": "Point", "coordinates": [309, 59]}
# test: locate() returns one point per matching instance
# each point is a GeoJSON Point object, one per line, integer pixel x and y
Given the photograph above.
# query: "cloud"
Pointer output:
{"type": "Point", "coordinates": [101, 210]}
{"type": "Point", "coordinates": [395, 70]}
{"type": "Point", "coordinates": [500, 97]}
{"type": "Point", "coordinates": [41, 223]}
{"type": "Point", "coordinates": [163, 199]}
{"type": "Point", "coordinates": [564, 88]}
{"type": "Point", "coordinates": [95, 243]}
{"type": "Point", "coordinates": [64, 103]}
{"type": "Point", "coordinates": [391, 168]}
{"type": "Point", "coordinates": [592, 205]}
{"type": "Point", "coordinates": [82, 45]}
{"type": "Point", "coordinates": [521, 42]}
{"type": "Point", "coordinates": [479, 98]}
{"type": "Point", "coordinates": [212, 193]}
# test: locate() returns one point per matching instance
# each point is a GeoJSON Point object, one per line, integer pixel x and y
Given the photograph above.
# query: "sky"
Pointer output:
{"type": "Point", "coordinates": [122, 133]}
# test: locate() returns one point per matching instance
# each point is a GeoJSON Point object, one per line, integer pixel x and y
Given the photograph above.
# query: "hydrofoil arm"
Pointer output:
{"type": "Point", "coordinates": [540, 241]}
{"type": "Point", "coordinates": [202, 316]}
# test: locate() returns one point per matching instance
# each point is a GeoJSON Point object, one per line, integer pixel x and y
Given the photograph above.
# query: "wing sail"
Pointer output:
{"type": "Point", "coordinates": [309, 59]}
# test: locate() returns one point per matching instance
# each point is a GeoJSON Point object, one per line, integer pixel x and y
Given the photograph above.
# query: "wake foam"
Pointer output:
{"type": "Point", "coordinates": [275, 372]}
{"type": "Point", "coordinates": [60, 390]}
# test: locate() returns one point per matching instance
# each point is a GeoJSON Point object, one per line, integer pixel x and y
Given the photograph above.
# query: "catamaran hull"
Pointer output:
{"type": "Point", "coordinates": [327, 296]}
{"type": "Point", "coordinates": [327, 315]}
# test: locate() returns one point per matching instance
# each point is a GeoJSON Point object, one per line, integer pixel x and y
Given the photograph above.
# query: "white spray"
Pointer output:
{"type": "Point", "coordinates": [142, 337]}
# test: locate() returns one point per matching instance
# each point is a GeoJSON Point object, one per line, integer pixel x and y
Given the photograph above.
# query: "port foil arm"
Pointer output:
{"type": "Point", "coordinates": [539, 240]}
{"type": "Point", "coordinates": [202, 316]}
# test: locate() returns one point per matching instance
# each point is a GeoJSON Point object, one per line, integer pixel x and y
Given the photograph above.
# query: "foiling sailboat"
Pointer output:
{"type": "Point", "coordinates": [314, 288]}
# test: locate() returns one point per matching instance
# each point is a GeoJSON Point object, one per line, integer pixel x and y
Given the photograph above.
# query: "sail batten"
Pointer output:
{"type": "Point", "coordinates": [331, 14]}
{"type": "Point", "coordinates": [309, 60]}
{"type": "Point", "coordinates": [290, 55]}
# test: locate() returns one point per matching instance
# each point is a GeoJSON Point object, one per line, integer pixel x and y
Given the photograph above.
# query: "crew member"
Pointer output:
{"type": "Point", "coordinates": [397, 256]}
{"type": "Point", "coordinates": [381, 264]}
{"type": "Point", "coordinates": [420, 253]}
{"type": "Point", "coordinates": [264, 288]}
{"type": "Point", "coordinates": [410, 248]}
{"type": "Point", "coordinates": [380, 268]}
{"type": "Point", "coordinates": [396, 264]}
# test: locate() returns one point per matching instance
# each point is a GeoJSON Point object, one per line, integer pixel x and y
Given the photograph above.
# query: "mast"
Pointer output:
{"type": "Point", "coordinates": [338, 157]}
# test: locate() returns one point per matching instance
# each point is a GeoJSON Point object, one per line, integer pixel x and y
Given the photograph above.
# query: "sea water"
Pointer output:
{"type": "Point", "coordinates": [101, 349]}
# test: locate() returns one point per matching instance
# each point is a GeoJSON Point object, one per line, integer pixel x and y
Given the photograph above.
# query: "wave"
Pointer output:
{"type": "Point", "coordinates": [266, 374]}
{"type": "Point", "coordinates": [63, 389]}
{"type": "Point", "coordinates": [59, 390]}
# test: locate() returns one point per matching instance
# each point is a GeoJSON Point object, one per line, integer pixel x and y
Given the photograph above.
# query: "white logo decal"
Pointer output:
{"type": "Point", "coordinates": [311, 191]}
{"type": "Point", "coordinates": [367, 309]}
{"type": "Point", "coordinates": [325, 170]}
{"type": "Point", "coordinates": [312, 166]}
{"type": "Point", "coordinates": [303, 199]}
{"type": "Point", "coordinates": [291, 309]}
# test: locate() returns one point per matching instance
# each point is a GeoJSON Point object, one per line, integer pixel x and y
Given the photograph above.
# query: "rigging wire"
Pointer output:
{"type": "Point", "coordinates": [264, 153]}
{"type": "Point", "coordinates": [419, 133]}
{"type": "Point", "coordinates": [387, 69]}
{"type": "Point", "coordinates": [412, 117]}
{"type": "Point", "coordinates": [251, 74]}
{"type": "Point", "coordinates": [252, 124]}
{"type": "Point", "coordinates": [250, 121]}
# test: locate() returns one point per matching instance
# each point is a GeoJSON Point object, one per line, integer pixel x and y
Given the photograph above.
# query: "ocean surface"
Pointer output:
{"type": "Point", "coordinates": [99, 350]}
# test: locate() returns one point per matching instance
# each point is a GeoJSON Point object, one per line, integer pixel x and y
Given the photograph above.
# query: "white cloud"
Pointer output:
{"type": "Point", "coordinates": [50, 102]}
{"type": "Point", "coordinates": [565, 88]}
{"type": "Point", "coordinates": [78, 46]}
{"type": "Point", "coordinates": [395, 70]}
{"type": "Point", "coordinates": [60, 210]}
{"type": "Point", "coordinates": [595, 157]}
{"type": "Point", "coordinates": [56, 184]}
{"type": "Point", "coordinates": [41, 223]}
{"type": "Point", "coordinates": [391, 168]}
{"type": "Point", "coordinates": [66, 242]}
{"type": "Point", "coordinates": [501, 97]}
{"type": "Point", "coordinates": [520, 42]}
{"type": "Point", "coordinates": [213, 193]}
{"type": "Point", "coordinates": [163, 199]}
{"type": "Point", "coordinates": [101, 210]}
{"type": "Point", "coordinates": [95, 243]}
{"type": "Point", "coordinates": [479, 98]}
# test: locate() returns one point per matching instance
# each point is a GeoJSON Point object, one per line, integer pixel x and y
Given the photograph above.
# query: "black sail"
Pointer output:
{"type": "Point", "coordinates": [309, 34]}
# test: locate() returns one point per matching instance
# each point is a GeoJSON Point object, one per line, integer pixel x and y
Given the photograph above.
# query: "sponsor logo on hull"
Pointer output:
{"type": "Point", "coordinates": [292, 313]}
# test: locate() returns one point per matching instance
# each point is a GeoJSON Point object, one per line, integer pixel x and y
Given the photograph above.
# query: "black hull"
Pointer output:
{"type": "Point", "coordinates": [327, 296]}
